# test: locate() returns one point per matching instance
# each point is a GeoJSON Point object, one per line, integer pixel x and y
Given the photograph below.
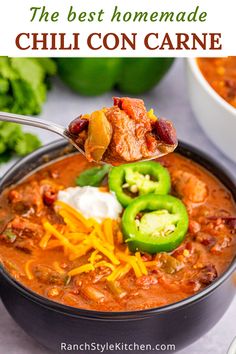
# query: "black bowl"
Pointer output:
{"type": "Point", "coordinates": [178, 324]}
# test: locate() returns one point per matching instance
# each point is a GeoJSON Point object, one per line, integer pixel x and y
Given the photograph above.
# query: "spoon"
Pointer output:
{"type": "Point", "coordinates": [41, 123]}
{"type": "Point", "coordinates": [65, 133]}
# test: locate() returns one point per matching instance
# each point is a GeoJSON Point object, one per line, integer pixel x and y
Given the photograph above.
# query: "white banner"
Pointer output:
{"type": "Point", "coordinates": [117, 28]}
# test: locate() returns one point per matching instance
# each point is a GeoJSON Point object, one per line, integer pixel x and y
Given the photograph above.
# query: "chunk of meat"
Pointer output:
{"type": "Point", "coordinates": [17, 235]}
{"type": "Point", "coordinates": [27, 246]}
{"type": "Point", "coordinates": [206, 239]}
{"type": "Point", "coordinates": [146, 281]}
{"type": "Point", "coordinates": [194, 226]}
{"type": "Point", "coordinates": [189, 186]}
{"type": "Point", "coordinates": [230, 221]}
{"type": "Point", "coordinates": [133, 137]}
{"type": "Point", "coordinates": [48, 275]}
{"type": "Point", "coordinates": [151, 142]}
{"type": "Point", "coordinates": [128, 141]}
{"type": "Point", "coordinates": [24, 228]}
{"type": "Point", "coordinates": [207, 274]}
{"type": "Point", "coordinates": [123, 132]}
{"type": "Point", "coordinates": [25, 197]}
{"type": "Point", "coordinates": [135, 109]}
{"type": "Point", "coordinates": [222, 243]}
{"type": "Point", "coordinates": [199, 278]}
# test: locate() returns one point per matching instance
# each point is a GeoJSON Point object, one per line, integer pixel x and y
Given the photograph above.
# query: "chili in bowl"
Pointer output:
{"type": "Point", "coordinates": [221, 75]}
{"type": "Point", "coordinates": [172, 286]}
{"type": "Point", "coordinates": [211, 86]}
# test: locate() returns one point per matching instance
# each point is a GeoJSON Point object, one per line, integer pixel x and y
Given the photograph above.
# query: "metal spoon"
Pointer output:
{"type": "Point", "coordinates": [40, 123]}
{"type": "Point", "coordinates": [64, 132]}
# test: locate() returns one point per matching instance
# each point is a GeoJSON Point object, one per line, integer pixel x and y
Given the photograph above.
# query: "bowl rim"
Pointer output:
{"type": "Point", "coordinates": [194, 67]}
{"type": "Point", "coordinates": [187, 151]}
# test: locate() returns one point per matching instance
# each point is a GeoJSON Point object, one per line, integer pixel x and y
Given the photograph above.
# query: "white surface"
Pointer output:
{"type": "Point", "coordinates": [216, 116]}
{"type": "Point", "coordinates": [219, 20]}
{"type": "Point", "coordinates": [171, 100]}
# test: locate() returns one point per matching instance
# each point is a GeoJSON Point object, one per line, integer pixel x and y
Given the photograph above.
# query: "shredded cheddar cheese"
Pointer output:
{"type": "Point", "coordinates": [75, 236]}
{"type": "Point", "coordinates": [72, 222]}
{"type": "Point", "coordinates": [84, 268]}
{"type": "Point", "coordinates": [65, 242]}
{"type": "Point", "coordinates": [92, 259]}
{"type": "Point", "coordinates": [81, 250]}
{"type": "Point", "coordinates": [27, 269]}
{"type": "Point", "coordinates": [141, 264]}
{"type": "Point", "coordinates": [75, 213]}
{"type": "Point", "coordinates": [104, 264]}
{"type": "Point", "coordinates": [97, 245]}
{"type": "Point", "coordinates": [53, 244]}
{"type": "Point", "coordinates": [132, 261]}
{"type": "Point", "coordinates": [119, 272]}
{"type": "Point", "coordinates": [79, 236]}
{"type": "Point", "coordinates": [44, 240]}
{"type": "Point", "coordinates": [151, 264]}
{"type": "Point", "coordinates": [108, 230]}
{"type": "Point", "coordinates": [98, 231]}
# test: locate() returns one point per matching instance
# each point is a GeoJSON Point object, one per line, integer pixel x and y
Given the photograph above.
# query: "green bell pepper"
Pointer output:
{"type": "Point", "coordinates": [140, 178]}
{"type": "Point", "coordinates": [161, 228]}
{"type": "Point", "coordinates": [95, 76]}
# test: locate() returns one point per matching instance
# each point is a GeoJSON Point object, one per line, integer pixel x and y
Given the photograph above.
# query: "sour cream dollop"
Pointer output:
{"type": "Point", "coordinates": [91, 202]}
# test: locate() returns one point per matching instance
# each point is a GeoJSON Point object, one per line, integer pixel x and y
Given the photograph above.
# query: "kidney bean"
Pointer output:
{"type": "Point", "coordinates": [207, 274]}
{"type": "Point", "coordinates": [232, 224]}
{"type": "Point", "coordinates": [78, 125]}
{"type": "Point", "coordinates": [165, 131]}
{"type": "Point", "coordinates": [206, 239]}
{"type": "Point", "coordinates": [230, 221]}
{"type": "Point", "coordinates": [49, 196]}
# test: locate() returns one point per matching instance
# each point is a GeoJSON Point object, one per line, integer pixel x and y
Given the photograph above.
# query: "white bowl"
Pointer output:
{"type": "Point", "coordinates": [232, 348]}
{"type": "Point", "coordinates": [216, 116]}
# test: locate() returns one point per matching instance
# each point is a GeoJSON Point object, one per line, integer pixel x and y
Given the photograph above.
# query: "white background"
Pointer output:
{"type": "Point", "coordinates": [15, 18]}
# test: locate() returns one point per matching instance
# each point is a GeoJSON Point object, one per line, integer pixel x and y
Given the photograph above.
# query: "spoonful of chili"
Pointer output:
{"type": "Point", "coordinates": [123, 133]}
